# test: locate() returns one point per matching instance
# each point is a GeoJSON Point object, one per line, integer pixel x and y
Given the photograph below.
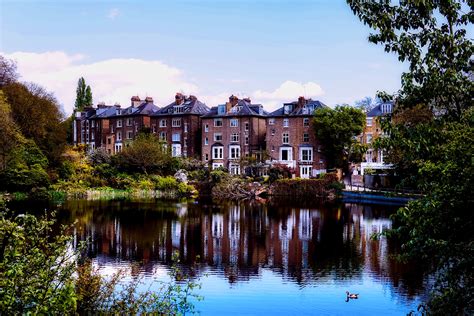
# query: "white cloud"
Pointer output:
{"type": "Point", "coordinates": [112, 80]}
{"type": "Point", "coordinates": [116, 80]}
{"type": "Point", "coordinates": [286, 92]}
{"type": "Point", "coordinates": [113, 13]}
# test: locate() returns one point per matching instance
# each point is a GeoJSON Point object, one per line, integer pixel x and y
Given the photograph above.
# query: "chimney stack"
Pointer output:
{"type": "Point", "coordinates": [149, 100]}
{"type": "Point", "coordinates": [247, 99]}
{"type": "Point", "coordinates": [136, 100]}
{"type": "Point", "coordinates": [233, 100]}
{"type": "Point", "coordinates": [301, 102]}
{"type": "Point", "coordinates": [179, 98]}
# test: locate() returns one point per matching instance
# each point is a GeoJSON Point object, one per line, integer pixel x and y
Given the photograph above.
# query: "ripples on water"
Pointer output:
{"type": "Point", "coordinates": [259, 258]}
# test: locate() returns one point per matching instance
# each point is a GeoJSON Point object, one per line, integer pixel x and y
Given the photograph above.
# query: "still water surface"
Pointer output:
{"type": "Point", "coordinates": [256, 258]}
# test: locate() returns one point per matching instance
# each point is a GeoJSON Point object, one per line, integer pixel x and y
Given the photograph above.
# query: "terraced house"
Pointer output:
{"type": "Point", "coordinates": [291, 140]}
{"type": "Point", "coordinates": [179, 125]}
{"type": "Point", "coordinates": [110, 126]}
{"type": "Point", "coordinates": [232, 132]}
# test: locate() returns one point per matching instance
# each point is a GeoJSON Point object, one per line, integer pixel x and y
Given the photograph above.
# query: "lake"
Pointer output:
{"type": "Point", "coordinates": [256, 258]}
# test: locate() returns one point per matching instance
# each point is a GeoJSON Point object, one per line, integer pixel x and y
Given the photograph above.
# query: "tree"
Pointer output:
{"type": "Point", "coordinates": [8, 73]}
{"type": "Point", "coordinates": [368, 103]}
{"type": "Point", "coordinates": [431, 138]}
{"type": "Point", "coordinates": [83, 95]}
{"type": "Point", "coordinates": [37, 114]}
{"type": "Point", "coordinates": [336, 129]}
{"type": "Point", "coordinates": [431, 36]}
{"type": "Point", "coordinates": [10, 136]}
{"type": "Point", "coordinates": [145, 154]}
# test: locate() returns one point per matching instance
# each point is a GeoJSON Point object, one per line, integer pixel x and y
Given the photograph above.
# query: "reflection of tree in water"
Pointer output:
{"type": "Point", "coordinates": [305, 243]}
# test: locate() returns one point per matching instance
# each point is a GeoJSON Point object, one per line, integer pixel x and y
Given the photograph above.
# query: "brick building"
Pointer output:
{"type": "Point", "coordinates": [373, 159]}
{"type": "Point", "coordinates": [179, 124]}
{"type": "Point", "coordinates": [291, 140]}
{"type": "Point", "coordinates": [110, 126]}
{"type": "Point", "coordinates": [231, 132]}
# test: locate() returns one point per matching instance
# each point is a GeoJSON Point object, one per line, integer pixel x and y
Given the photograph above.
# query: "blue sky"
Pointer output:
{"type": "Point", "coordinates": [269, 50]}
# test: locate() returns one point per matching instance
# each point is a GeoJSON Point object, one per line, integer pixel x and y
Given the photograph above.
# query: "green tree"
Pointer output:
{"type": "Point", "coordinates": [337, 130]}
{"type": "Point", "coordinates": [38, 116]}
{"type": "Point", "coordinates": [83, 95]}
{"type": "Point", "coordinates": [146, 154]}
{"type": "Point", "coordinates": [431, 138]}
{"type": "Point", "coordinates": [10, 136]}
{"type": "Point", "coordinates": [431, 37]}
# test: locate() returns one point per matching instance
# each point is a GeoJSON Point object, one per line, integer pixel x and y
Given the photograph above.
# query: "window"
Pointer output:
{"type": "Point", "coordinates": [136, 128]}
{"type": "Point", "coordinates": [369, 138]}
{"type": "Point", "coordinates": [163, 136]}
{"type": "Point", "coordinates": [216, 165]}
{"type": "Point", "coordinates": [176, 150]}
{"type": "Point", "coordinates": [92, 123]}
{"type": "Point", "coordinates": [129, 135]}
{"type": "Point", "coordinates": [206, 141]}
{"type": "Point", "coordinates": [217, 137]}
{"type": "Point", "coordinates": [234, 152]}
{"type": "Point", "coordinates": [218, 122]}
{"type": "Point", "coordinates": [178, 109]}
{"type": "Point", "coordinates": [119, 123]}
{"type": "Point", "coordinates": [119, 136]}
{"type": "Point", "coordinates": [129, 122]}
{"type": "Point", "coordinates": [111, 128]}
{"type": "Point", "coordinates": [271, 121]}
{"type": "Point", "coordinates": [306, 138]}
{"type": "Point", "coordinates": [286, 122]}
{"type": "Point", "coordinates": [286, 154]}
{"type": "Point", "coordinates": [206, 157]}
{"type": "Point", "coordinates": [305, 172]}
{"type": "Point", "coordinates": [185, 127]}
{"type": "Point", "coordinates": [319, 148]}
{"type": "Point", "coordinates": [234, 168]}
{"type": "Point", "coordinates": [286, 138]}
{"type": "Point", "coordinates": [247, 126]}
{"type": "Point", "coordinates": [109, 140]}
{"type": "Point", "coordinates": [163, 123]}
{"type": "Point", "coordinates": [217, 152]}
{"type": "Point", "coordinates": [153, 129]}
{"type": "Point", "coordinates": [306, 154]}
{"type": "Point", "coordinates": [176, 137]}
{"type": "Point", "coordinates": [176, 122]}
{"type": "Point", "coordinates": [273, 132]}
{"type": "Point", "coordinates": [206, 128]}
{"type": "Point", "coordinates": [234, 137]}
{"type": "Point", "coordinates": [306, 122]}
{"type": "Point", "coordinates": [368, 121]}
{"type": "Point", "coordinates": [246, 140]}
{"type": "Point", "coordinates": [234, 122]}
{"type": "Point", "coordinates": [92, 136]}
{"type": "Point", "coordinates": [118, 148]}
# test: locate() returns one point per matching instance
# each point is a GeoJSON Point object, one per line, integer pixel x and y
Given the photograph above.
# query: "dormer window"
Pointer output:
{"type": "Point", "coordinates": [221, 109]}
{"type": "Point", "coordinates": [178, 109]}
{"type": "Point", "coordinates": [286, 109]}
{"type": "Point", "coordinates": [118, 112]}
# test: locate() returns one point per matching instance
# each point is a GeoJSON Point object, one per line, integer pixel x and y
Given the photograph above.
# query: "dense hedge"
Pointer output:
{"type": "Point", "coordinates": [305, 187]}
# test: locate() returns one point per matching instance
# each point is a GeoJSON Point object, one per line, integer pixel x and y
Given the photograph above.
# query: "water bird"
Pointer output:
{"type": "Point", "coordinates": [352, 295]}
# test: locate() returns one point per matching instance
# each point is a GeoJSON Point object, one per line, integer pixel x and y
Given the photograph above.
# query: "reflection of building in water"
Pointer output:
{"type": "Point", "coordinates": [303, 244]}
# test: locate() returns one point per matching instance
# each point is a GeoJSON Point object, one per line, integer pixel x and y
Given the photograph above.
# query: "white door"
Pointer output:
{"type": "Point", "coordinates": [305, 172]}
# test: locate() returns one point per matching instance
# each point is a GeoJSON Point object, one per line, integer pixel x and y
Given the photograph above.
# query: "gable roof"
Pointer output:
{"type": "Point", "coordinates": [190, 105]}
{"type": "Point", "coordinates": [380, 110]}
{"type": "Point", "coordinates": [242, 108]}
{"type": "Point", "coordinates": [307, 109]}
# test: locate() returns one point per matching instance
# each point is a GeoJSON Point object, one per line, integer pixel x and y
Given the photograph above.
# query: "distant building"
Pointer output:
{"type": "Point", "coordinates": [179, 125]}
{"type": "Point", "coordinates": [291, 139]}
{"type": "Point", "coordinates": [110, 126]}
{"type": "Point", "coordinates": [374, 158]}
{"type": "Point", "coordinates": [232, 132]}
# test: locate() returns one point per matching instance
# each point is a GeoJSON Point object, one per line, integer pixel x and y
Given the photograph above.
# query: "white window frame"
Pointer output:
{"type": "Point", "coordinates": [234, 123]}
{"type": "Point", "coordinates": [176, 122]}
{"type": "Point", "coordinates": [234, 137]}
{"type": "Point", "coordinates": [306, 122]}
{"type": "Point", "coordinates": [218, 152]}
{"type": "Point", "coordinates": [206, 128]}
{"type": "Point", "coordinates": [234, 169]}
{"type": "Point", "coordinates": [286, 136]}
{"type": "Point", "coordinates": [176, 137]}
{"type": "Point", "coordinates": [163, 123]}
{"type": "Point", "coordinates": [368, 121]}
{"type": "Point", "coordinates": [290, 153]}
{"type": "Point", "coordinates": [271, 121]}
{"type": "Point", "coordinates": [163, 136]}
{"type": "Point", "coordinates": [129, 134]}
{"type": "Point", "coordinates": [129, 121]}
{"type": "Point", "coordinates": [309, 154]}
{"type": "Point", "coordinates": [119, 123]}
{"type": "Point", "coordinates": [119, 136]}
{"type": "Point", "coordinates": [286, 122]}
{"type": "Point", "coordinates": [368, 138]}
{"type": "Point", "coordinates": [216, 165]}
{"type": "Point", "coordinates": [305, 139]}
{"type": "Point", "coordinates": [218, 120]}
{"type": "Point", "coordinates": [218, 137]}
{"type": "Point", "coordinates": [176, 150]}
{"type": "Point", "coordinates": [206, 141]}
{"type": "Point", "coordinates": [305, 172]}
{"type": "Point", "coordinates": [234, 152]}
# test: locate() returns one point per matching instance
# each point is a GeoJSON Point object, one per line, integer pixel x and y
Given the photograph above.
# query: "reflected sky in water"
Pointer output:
{"type": "Point", "coordinates": [256, 258]}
